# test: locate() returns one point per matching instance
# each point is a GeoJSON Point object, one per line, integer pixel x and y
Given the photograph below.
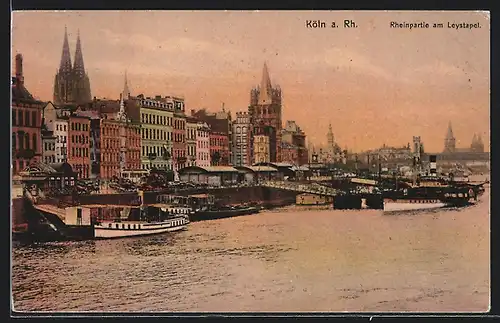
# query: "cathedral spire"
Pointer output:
{"type": "Point", "coordinates": [479, 139]}
{"type": "Point", "coordinates": [126, 91]}
{"type": "Point", "coordinates": [330, 137]}
{"type": "Point", "coordinates": [122, 115]}
{"type": "Point", "coordinates": [449, 134]}
{"type": "Point", "coordinates": [449, 141]}
{"type": "Point", "coordinates": [474, 140]}
{"type": "Point", "coordinates": [79, 68]}
{"type": "Point", "coordinates": [65, 66]}
{"type": "Point", "coordinates": [265, 87]}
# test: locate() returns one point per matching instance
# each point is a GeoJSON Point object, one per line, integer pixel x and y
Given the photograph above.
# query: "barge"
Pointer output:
{"type": "Point", "coordinates": [206, 207]}
{"type": "Point", "coordinates": [213, 212]}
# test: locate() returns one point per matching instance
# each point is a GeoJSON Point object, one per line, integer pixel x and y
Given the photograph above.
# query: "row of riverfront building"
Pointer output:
{"type": "Point", "coordinates": [105, 137]}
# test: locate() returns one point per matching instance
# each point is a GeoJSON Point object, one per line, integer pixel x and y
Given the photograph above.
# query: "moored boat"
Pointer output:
{"type": "Point", "coordinates": [153, 219]}
{"type": "Point", "coordinates": [412, 204]}
{"type": "Point", "coordinates": [428, 197]}
{"type": "Point", "coordinates": [213, 212]}
{"type": "Point", "coordinates": [115, 229]}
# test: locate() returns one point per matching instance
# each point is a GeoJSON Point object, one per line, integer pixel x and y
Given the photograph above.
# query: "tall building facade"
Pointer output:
{"type": "Point", "coordinates": [265, 115]}
{"type": "Point", "coordinates": [241, 139]}
{"type": "Point", "coordinates": [179, 132]}
{"type": "Point", "coordinates": [56, 120]}
{"type": "Point", "coordinates": [191, 142]}
{"type": "Point", "coordinates": [130, 140]}
{"type": "Point", "coordinates": [202, 144]}
{"type": "Point", "coordinates": [26, 122]}
{"type": "Point", "coordinates": [293, 147]}
{"type": "Point", "coordinates": [220, 124]}
{"type": "Point", "coordinates": [133, 144]}
{"type": "Point", "coordinates": [71, 82]}
{"type": "Point", "coordinates": [48, 146]}
{"type": "Point", "coordinates": [95, 147]}
{"type": "Point", "coordinates": [261, 150]}
{"type": "Point", "coordinates": [219, 149]}
{"type": "Point", "coordinates": [79, 145]}
{"type": "Point", "coordinates": [110, 138]}
{"type": "Point", "coordinates": [157, 124]}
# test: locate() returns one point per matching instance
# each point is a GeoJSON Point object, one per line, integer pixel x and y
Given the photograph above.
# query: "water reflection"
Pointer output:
{"type": "Point", "coordinates": [296, 260]}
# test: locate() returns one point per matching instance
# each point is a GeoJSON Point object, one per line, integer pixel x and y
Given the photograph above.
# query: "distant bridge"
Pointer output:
{"type": "Point", "coordinates": [313, 188]}
{"type": "Point", "coordinates": [302, 188]}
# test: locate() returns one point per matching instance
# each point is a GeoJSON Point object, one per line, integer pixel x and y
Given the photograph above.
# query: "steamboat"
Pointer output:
{"type": "Point", "coordinates": [430, 193]}
{"type": "Point", "coordinates": [147, 220]}
{"type": "Point", "coordinates": [421, 198]}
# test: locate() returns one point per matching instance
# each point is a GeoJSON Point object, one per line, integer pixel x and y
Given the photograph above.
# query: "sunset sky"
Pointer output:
{"type": "Point", "coordinates": [374, 84]}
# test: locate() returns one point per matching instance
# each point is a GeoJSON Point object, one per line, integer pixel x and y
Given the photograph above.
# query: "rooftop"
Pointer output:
{"type": "Point", "coordinates": [211, 169]}
{"type": "Point", "coordinates": [257, 169]}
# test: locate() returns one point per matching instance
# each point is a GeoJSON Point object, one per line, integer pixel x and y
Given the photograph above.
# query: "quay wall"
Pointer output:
{"type": "Point", "coordinates": [269, 197]}
{"type": "Point", "coordinates": [264, 196]}
{"type": "Point", "coordinates": [253, 194]}
{"type": "Point", "coordinates": [19, 221]}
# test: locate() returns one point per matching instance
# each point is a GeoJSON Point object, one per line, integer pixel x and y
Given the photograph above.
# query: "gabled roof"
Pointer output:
{"type": "Point", "coordinates": [49, 169]}
{"type": "Point", "coordinates": [299, 168]}
{"type": "Point", "coordinates": [257, 169]}
{"type": "Point", "coordinates": [210, 169]}
{"type": "Point", "coordinates": [217, 169]}
{"type": "Point", "coordinates": [20, 93]}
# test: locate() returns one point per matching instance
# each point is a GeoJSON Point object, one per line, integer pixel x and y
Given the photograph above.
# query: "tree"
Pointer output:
{"type": "Point", "coordinates": [151, 157]}
{"type": "Point", "coordinates": [216, 158]}
{"type": "Point", "coordinates": [28, 154]}
{"type": "Point", "coordinates": [166, 154]}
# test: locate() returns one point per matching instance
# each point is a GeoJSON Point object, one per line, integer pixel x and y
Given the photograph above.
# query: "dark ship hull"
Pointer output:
{"type": "Point", "coordinates": [429, 197]}
{"type": "Point", "coordinates": [212, 214]}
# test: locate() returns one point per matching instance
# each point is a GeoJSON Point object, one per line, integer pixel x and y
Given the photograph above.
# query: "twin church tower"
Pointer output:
{"type": "Point", "coordinates": [71, 84]}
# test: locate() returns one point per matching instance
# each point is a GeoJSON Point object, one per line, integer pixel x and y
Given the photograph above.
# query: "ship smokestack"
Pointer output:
{"type": "Point", "coordinates": [432, 160]}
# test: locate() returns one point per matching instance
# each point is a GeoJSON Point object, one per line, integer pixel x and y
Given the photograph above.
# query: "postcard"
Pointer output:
{"type": "Point", "coordinates": [250, 162]}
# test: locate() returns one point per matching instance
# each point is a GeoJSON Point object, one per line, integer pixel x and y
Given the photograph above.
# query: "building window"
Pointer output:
{"type": "Point", "coordinates": [33, 118]}
{"type": "Point", "coordinates": [20, 117]}
{"type": "Point", "coordinates": [26, 141]}
{"type": "Point", "coordinates": [14, 114]}
{"type": "Point", "coordinates": [14, 140]}
{"type": "Point", "coordinates": [27, 118]}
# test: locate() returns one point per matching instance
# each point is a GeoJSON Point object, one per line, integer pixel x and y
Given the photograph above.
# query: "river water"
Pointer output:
{"type": "Point", "coordinates": [291, 259]}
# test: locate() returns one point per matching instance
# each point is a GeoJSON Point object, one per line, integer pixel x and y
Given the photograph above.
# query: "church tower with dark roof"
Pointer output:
{"type": "Point", "coordinates": [265, 114]}
{"type": "Point", "coordinates": [71, 83]}
{"type": "Point", "coordinates": [449, 140]}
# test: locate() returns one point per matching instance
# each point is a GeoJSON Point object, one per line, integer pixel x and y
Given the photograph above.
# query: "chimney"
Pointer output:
{"type": "Point", "coordinates": [19, 69]}
{"type": "Point", "coordinates": [192, 112]}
